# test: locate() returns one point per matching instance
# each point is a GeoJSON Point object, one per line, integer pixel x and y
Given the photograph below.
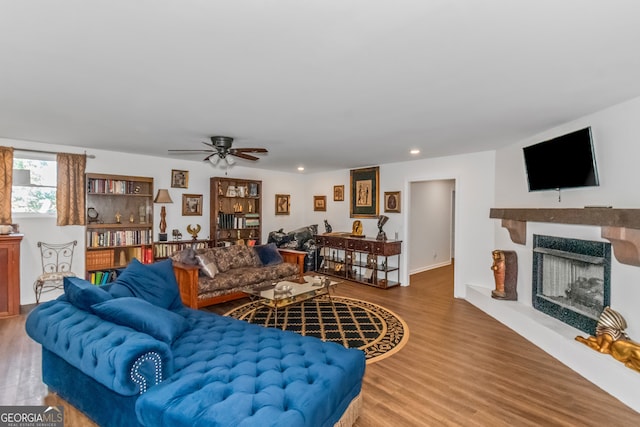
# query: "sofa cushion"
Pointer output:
{"type": "Point", "coordinates": [83, 294]}
{"type": "Point", "coordinates": [155, 283]}
{"type": "Point", "coordinates": [207, 263]}
{"type": "Point", "coordinates": [269, 254]}
{"type": "Point", "coordinates": [235, 256]}
{"type": "Point", "coordinates": [142, 316]}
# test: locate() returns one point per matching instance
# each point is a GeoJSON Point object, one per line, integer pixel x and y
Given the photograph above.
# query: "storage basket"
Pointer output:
{"type": "Point", "coordinates": [98, 260]}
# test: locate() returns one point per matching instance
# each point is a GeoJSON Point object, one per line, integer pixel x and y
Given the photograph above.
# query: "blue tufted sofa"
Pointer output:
{"type": "Point", "coordinates": [132, 354]}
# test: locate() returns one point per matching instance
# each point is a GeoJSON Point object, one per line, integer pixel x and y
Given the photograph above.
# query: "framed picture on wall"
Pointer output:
{"type": "Point", "coordinates": [319, 203]}
{"type": "Point", "coordinates": [179, 179]}
{"type": "Point", "coordinates": [392, 201]}
{"type": "Point", "coordinates": [192, 204]}
{"type": "Point", "coordinates": [338, 193]}
{"type": "Point", "coordinates": [364, 192]}
{"type": "Point", "coordinates": [283, 204]}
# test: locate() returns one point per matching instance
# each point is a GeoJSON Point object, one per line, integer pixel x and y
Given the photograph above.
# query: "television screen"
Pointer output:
{"type": "Point", "coordinates": [564, 162]}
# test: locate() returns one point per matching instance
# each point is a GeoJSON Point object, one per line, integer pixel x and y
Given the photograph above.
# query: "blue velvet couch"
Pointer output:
{"type": "Point", "coordinates": [131, 354]}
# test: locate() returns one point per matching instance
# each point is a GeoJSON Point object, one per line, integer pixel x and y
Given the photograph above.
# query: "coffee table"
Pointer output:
{"type": "Point", "coordinates": [284, 293]}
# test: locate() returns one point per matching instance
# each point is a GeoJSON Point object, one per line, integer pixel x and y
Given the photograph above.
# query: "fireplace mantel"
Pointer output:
{"type": "Point", "coordinates": [620, 226]}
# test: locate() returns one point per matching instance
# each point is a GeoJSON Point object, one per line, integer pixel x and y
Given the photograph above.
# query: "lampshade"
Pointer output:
{"type": "Point", "coordinates": [214, 159]}
{"type": "Point", "coordinates": [163, 196]}
{"type": "Point", "coordinates": [229, 160]}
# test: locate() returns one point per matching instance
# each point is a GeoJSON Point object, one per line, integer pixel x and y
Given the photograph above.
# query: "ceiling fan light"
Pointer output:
{"type": "Point", "coordinates": [214, 160]}
{"type": "Point", "coordinates": [229, 160]}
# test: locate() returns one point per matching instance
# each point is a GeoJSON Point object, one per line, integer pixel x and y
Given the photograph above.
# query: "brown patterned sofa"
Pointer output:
{"type": "Point", "coordinates": [214, 275]}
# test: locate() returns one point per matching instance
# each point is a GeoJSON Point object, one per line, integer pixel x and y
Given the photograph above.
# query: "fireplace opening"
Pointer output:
{"type": "Point", "coordinates": [571, 279]}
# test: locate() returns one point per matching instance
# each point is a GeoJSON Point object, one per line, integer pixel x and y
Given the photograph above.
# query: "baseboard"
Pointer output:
{"type": "Point", "coordinates": [558, 339]}
{"type": "Point", "coordinates": [430, 267]}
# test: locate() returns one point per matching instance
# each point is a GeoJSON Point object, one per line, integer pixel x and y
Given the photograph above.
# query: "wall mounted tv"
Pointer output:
{"type": "Point", "coordinates": [567, 161]}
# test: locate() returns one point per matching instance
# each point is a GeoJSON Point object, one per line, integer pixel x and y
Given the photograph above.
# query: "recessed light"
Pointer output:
{"type": "Point", "coordinates": [300, 168]}
{"type": "Point", "coordinates": [415, 151]}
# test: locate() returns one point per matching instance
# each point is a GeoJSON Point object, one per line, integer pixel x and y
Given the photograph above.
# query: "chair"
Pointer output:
{"type": "Point", "coordinates": [56, 265]}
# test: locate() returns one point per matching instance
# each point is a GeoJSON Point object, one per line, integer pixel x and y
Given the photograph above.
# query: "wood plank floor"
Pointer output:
{"type": "Point", "coordinates": [459, 368]}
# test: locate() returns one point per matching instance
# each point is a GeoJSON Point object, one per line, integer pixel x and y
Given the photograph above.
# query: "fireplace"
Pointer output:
{"type": "Point", "coordinates": [571, 279]}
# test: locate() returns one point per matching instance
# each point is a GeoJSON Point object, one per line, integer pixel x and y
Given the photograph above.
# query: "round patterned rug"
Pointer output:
{"type": "Point", "coordinates": [350, 322]}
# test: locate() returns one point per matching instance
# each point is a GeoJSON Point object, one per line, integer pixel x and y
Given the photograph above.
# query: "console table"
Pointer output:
{"type": "Point", "coordinates": [10, 274]}
{"type": "Point", "coordinates": [369, 261]}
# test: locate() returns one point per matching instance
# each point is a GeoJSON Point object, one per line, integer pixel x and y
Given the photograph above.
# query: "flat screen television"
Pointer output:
{"type": "Point", "coordinates": [567, 161]}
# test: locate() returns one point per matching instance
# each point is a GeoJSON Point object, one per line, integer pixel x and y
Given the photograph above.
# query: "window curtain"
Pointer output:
{"type": "Point", "coordinates": [6, 181]}
{"type": "Point", "coordinates": [70, 192]}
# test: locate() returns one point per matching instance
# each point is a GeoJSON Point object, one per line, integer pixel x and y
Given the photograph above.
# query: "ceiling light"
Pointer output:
{"type": "Point", "coordinates": [214, 160]}
{"type": "Point", "coordinates": [229, 160]}
{"type": "Point", "coordinates": [300, 168]}
{"type": "Point", "coordinates": [415, 151]}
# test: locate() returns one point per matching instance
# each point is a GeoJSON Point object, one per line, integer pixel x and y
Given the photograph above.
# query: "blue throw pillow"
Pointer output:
{"type": "Point", "coordinates": [142, 316]}
{"type": "Point", "coordinates": [269, 254]}
{"type": "Point", "coordinates": [155, 283]}
{"type": "Point", "coordinates": [83, 294]}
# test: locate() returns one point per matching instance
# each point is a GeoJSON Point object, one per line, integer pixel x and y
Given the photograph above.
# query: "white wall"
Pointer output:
{"type": "Point", "coordinates": [615, 139]}
{"type": "Point", "coordinates": [45, 229]}
{"type": "Point", "coordinates": [474, 178]}
{"type": "Point", "coordinates": [430, 222]}
{"type": "Point", "coordinates": [617, 149]}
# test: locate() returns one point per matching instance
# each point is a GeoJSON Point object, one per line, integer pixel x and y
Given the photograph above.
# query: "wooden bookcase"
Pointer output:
{"type": "Point", "coordinates": [372, 262]}
{"type": "Point", "coordinates": [123, 227]}
{"type": "Point", "coordinates": [236, 211]}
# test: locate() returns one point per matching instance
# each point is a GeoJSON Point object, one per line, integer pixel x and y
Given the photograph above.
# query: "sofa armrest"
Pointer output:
{"type": "Point", "coordinates": [120, 358]}
{"type": "Point", "coordinates": [295, 257]}
{"type": "Point", "coordinates": [187, 277]}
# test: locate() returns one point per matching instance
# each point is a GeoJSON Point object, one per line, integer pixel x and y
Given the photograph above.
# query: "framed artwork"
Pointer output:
{"type": "Point", "coordinates": [283, 204]}
{"type": "Point", "coordinates": [319, 203]}
{"type": "Point", "coordinates": [191, 204]}
{"type": "Point", "coordinates": [364, 192]}
{"type": "Point", "coordinates": [338, 193]}
{"type": "Point", "coordinates": [392, 201]}
{"type": "Point", "coordinates": [179, 179]}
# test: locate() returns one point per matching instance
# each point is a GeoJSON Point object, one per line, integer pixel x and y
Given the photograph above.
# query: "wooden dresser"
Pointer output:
{"type": "Point", "coordinates": [10, 274]}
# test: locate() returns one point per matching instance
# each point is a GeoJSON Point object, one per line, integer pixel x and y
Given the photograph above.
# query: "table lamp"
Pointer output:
{"type": "Point", "coordinates": [163, 197]}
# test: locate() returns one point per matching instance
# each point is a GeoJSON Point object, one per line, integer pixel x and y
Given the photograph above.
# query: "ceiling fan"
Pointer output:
{"type": "Point", "coordinates": [220, 148]}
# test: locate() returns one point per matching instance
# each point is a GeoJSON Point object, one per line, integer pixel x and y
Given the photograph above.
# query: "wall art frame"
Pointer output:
{"type": "Point", "coordinates": [191, 204]}
{"type": "Point", "coordinates": [283, 204]}
{"type": "Point", "coordinates": [364, 192]}
{"type": "Point", "coordinates": [179, 178]}
{"type": "Point", "coordinates": [338, 193]}
{"type": "Point", "coordinates": [392, 201]}
{"type": "Point", "coordinates": [320, 203]}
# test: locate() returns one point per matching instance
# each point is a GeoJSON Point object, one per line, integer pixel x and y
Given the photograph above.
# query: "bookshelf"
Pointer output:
{"type": "Point", "coordinates": [236, 211]}
{"type": "Point", "coordinates": [119, 224]}
{"type": "Point", "coordinates": [163, 250]}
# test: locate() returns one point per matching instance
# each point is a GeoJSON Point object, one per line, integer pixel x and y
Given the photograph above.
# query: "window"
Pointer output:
{"type": "Point", "coordinates": [34, 186]}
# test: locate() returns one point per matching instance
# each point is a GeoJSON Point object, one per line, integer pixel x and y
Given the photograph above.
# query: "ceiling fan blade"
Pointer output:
{"type": "Point", "coordinates": [190, 151]}
{"type": "Point", "coordinates": [208, 144]}
{"type": "Point", "coordinates": [209, 156]}
{"type": "Point", "coordinates": [244, 156]}
{"type": "Point", "coordinates": [251, 150]}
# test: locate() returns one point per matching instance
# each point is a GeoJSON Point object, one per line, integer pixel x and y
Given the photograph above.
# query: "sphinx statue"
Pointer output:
{"type": "Point", "coordinates": [612, 339]}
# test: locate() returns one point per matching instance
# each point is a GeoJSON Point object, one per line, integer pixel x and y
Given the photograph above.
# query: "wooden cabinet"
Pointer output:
{"type": "Point", "coordinates": [236, 211]}
{"type": "Point", "coordinates": [10, 275]}
{"type": "Point", "coordinates": [166, 249]}
{"type": "Point", "coordinates": [368, 261]}
{"type": "Point", "coordinates": [119, 223]}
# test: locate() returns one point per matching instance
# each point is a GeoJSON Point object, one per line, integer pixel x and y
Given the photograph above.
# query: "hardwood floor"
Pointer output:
{"type": "Point", "coordinates": [460, 367]}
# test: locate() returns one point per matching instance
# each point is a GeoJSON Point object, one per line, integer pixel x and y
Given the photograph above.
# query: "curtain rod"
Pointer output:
{"type": "Point", "coordinates": [89, 156]}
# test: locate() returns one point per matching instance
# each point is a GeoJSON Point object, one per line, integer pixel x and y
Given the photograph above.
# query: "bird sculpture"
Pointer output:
{"type": "Point", "coordinates": [194, 231]}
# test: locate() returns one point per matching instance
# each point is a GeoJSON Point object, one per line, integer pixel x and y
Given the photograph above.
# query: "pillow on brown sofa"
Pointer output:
{"type": "Point", "coordinates": [207, 263]}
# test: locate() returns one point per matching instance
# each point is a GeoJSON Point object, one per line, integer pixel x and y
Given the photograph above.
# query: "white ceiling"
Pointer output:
{"type": "Point", "coordinates": [326, 84]}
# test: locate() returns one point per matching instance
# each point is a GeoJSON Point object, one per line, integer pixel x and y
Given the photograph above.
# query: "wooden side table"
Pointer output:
{"type": "Point", "coordinates": [10, 274]}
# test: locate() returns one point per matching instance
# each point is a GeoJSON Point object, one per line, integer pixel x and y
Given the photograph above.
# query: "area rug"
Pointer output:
{"type": "Point", "coordinates": [349, 322]}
